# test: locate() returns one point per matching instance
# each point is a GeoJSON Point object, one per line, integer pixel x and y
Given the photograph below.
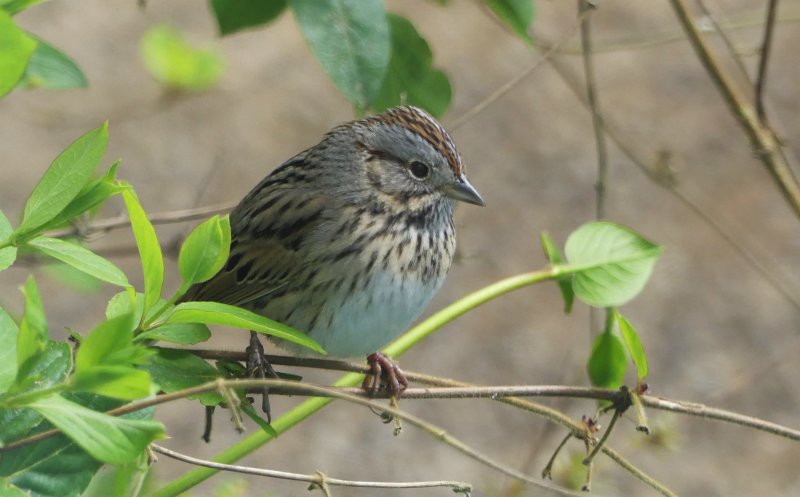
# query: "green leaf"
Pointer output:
{"type": "Point", "coordinates": [611, 263]}
{"type": "Point", "coordinates": [118, 382]}
{"type": "Point", "coordinates": [228, 315]}
{"type": "Point", "coordinates": [64, 179]}
{"type": "Point", "coordinates": [125, 302]}
{"type": "Point", "coordinates": [251, 413]}
{"type": "Point", "coordinates": [176, 64]}
{"type": "Point", "coordinates": [17, 423]}
{"type": "Point", "coordinates": [81, 259]}
{"type": "Point", "coordinates": [120, 481]}
{"type": "Point", "coordinates": [105, 362]}
{"type": "Point", "coordinates": [175, 370]}
{"type": "Point", "coordinates": [149, 250]}
{"type": "Point", "coordinates": [7, 254]}
{"type": "Point", "coordinates": [16, 49]}
{"type": "Point", "coordinates": [16, 6]}
{"type": "Point", "coordinates": [93, 194]}
{"type": "Point", "coordinates": [410, 79]}
{"type": "Point", "coordinates": [72, 278]}
{"type": "Point", "coordinates": [565, 282]}
{"type": "Point", "coordinates": [205, 251]}
{"type": "Point", "coordinates": [516, 14]}
{"type": "Point", "coordinates": [183, 333]}
{"type": "Point", "coordinates": [106, 438]}
{"type": "Point", "coordinates": [236, 15]}
{"type": "Point", "coordinates": [45, 370]}
{"type": "Point", "coordinates": [634, 345]}
{"type": "Point", "coordinates": [608, 361]}
{"type": "Point", "coordinates": [8, 350]}
{"type": "Point", "coordinates": [56, 467]}
{"type": "Point", "coordinates": [32, 337]}
{"type": "Point", "coordinates": [351, 40]}
{"type": "Point", "coordinates": [52, 69]}
{"type": "Point", "coordinates": [110, 343]}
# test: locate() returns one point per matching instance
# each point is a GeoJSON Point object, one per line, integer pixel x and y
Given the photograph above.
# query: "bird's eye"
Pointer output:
{"type": "Point", "coordinates": [419, 169]}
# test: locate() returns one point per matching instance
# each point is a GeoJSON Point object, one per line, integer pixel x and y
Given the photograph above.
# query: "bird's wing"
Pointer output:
{"type": "Point", "coordinates": [269, 244]}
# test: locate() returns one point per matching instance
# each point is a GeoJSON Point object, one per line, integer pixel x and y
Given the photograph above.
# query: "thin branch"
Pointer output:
{"type": "Point", "coordinates": [584, 8]}
{"type": "Point", "coordinates": [656, 39]}
{"type": "Point", "coordinates": [317, 479]}
{"type": "Point", "coordinates": [761, 79]}
{"type": "Point", "coordinates": [452, 389]}
{"type": "Point", "coordinates": [547, 472]}
{"type": "Point", "coordinates": [294, 388]}
{"type": "Point", "coordinates": [703, 411]}
{"type": "Point", "coordinates": [122, 221]}
{"type": "Point", "coordinates": [725, 38]}
{"type": "Point", "coordinates": [762, 137]}
{"type": "Point", "coordinates": [602, 442]}
{"type": "Point", "coordinates": [458, 390]}
{"type": "Point", "coordinates": [513, 82]}
{"type": "Point", "coordinates": [660, 172]}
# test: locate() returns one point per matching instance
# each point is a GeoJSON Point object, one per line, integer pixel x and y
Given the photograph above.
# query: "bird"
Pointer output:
{"type": "Point", "coordinates": [348, 240]}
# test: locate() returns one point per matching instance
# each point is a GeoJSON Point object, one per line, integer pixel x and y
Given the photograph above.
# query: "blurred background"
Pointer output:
{"type": "Point", "coordinates": [715, 330]}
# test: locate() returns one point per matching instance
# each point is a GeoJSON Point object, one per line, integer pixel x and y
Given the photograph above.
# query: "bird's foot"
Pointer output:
{"type": "Point", "coordinates": [259, 367]}
{"type": "Point", "coordinates": [383, 367]}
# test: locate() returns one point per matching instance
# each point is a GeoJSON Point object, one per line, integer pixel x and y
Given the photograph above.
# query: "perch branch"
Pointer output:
{"type": "Point", "coordinates": [317, 479]}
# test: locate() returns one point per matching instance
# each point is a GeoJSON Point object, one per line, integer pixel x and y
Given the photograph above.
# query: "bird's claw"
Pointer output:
{"type": "Point", "coordinates": [259, 367]}
{"type": "Point", "coordinates": [380, 367]}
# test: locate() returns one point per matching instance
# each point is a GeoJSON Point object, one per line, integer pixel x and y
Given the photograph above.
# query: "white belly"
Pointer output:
{"type": "Point", "coordinates": [367, 320]}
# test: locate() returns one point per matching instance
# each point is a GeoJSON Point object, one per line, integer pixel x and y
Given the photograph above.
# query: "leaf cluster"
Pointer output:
{"type": "Point", "coordinates": [45, 384]}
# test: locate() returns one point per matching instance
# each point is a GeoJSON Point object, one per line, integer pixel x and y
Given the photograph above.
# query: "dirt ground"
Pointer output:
{"type": "Point", "coordinates": [715, 330]}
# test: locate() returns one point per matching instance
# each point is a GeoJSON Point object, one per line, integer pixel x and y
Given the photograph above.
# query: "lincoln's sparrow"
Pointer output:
{"type": "Point", "coordinates": [349, 240]}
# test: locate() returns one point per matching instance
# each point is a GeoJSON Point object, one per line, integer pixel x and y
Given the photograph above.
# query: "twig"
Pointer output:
{"type": "Point", "coordinates": [452, 389]}
{"type": "Point", "coordinates": [547, 472]}
{"type": "Point", "coordinates": [641, 416]}
{"type": "Point", "coordinates": [459, 487]}
{"type": "Point", "coordinates": [725, 38]}
{"type": "Point", "coordinates": [761, 79]}
{"type": "Point", "coordinates": [510, 84]}
{"type": "Point", "coordinates": [703, 411]}
{"type": "Point", "coordinates": [607, 433]}
{"type": "Point", "coordinates": [584, 8]}
{"type": "Point", "coordinates": [122, 221]}
{"type": "Point", "coordinates": [660, 173]}
{"type": "Point", "coordinates": [501, 393]}
{"type": "Point", "coordinates": [656, 39]}
{"type": "Point", "coordinates": [281, 386]}
{"type": "Point", "coordinates": [762, 137]}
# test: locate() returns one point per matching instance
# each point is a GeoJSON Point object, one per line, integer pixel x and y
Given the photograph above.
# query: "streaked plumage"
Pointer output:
{"type": "Point", "coordinates": [343, 241]}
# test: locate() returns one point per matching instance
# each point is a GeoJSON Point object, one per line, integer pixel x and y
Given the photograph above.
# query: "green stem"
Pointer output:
{"type": "Point", "coordinates": [147, 324]}
{"type": "Point", "coordinates": [396, 348]}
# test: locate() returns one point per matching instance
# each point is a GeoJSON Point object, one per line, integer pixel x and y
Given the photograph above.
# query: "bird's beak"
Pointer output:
{"type": "Point", "coordinates": [462, 190]}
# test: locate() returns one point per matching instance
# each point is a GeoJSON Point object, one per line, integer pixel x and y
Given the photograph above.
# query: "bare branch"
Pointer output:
{"type": "Point", "coordinates": [277, 386]}
{"type": "Point", "coordinates": [761, 80]}
{"type": "Point", "coordinates": [317, 479]}
{"type": "Point", "coordinates": [725, 38]}
{"type": "Point", "coordinates": [659, 170]}
{"type": "Point", "coordinates": [584, 9]}
{"type": "Point", "coordinates": [703, 411]}
{"type": "Point", "coordinates": [168, 217]}
{"type": "Point", "coordinates": [510, 84]}
{"type": "Point", "coordinates": [451, 389]}
{"type": "Point", "coordinates": [763, 138]}
{"type": "Point", "coordinates": [660, 38]}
